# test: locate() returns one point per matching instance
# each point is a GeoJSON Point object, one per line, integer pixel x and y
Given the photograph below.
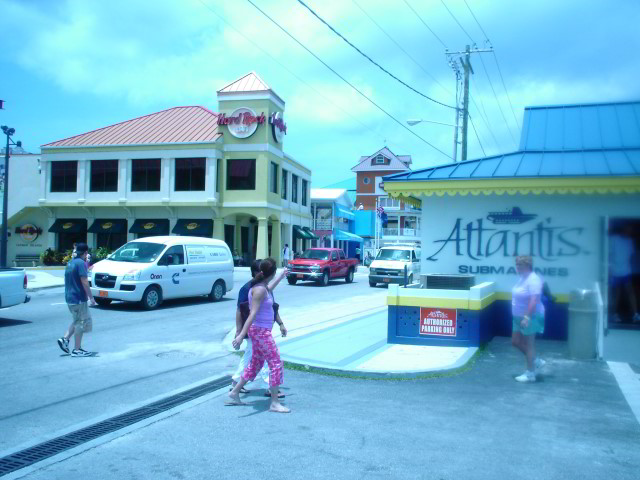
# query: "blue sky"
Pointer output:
{"type": "Point", "coordinates": [71, 66]}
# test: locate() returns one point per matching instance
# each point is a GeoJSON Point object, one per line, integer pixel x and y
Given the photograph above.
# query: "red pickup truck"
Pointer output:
{"type": "Point", "coordinates": [322, 265]}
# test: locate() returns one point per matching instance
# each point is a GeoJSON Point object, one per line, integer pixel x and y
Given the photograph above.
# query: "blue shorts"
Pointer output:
{"type": "Point", "coordinates": [536, 325]}
{"type": "Point", "coordinates": [619, 281]}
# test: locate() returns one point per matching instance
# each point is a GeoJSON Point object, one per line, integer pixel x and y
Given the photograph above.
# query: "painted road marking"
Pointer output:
{"type": "Point", "coordinates": [629, 384]}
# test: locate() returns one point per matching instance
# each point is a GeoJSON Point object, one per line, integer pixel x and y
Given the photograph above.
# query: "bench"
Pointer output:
{"type": "Point", "coordinates": [29, 260]}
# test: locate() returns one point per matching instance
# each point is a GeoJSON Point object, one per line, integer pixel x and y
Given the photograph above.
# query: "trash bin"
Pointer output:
{"type": "Point", "coordinates": [583, 321]}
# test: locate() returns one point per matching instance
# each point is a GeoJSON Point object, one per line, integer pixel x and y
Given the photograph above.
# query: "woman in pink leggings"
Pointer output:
{"type": "Point", "coordinates": [258, 326]}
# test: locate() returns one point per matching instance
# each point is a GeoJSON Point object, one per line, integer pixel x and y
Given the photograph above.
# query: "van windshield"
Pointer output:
{"type": "Point", "coordinates": [316, 254]}
{"type": "Point", "coordinates": [390, 254]}
{"type": "Point", "coordinates": [137, 252]}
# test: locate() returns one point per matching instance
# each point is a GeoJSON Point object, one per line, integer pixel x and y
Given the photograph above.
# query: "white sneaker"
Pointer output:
{"type": "Point", "coordinates": [526, 377]}
{"type": "Point", "coordinates": [540, 363]}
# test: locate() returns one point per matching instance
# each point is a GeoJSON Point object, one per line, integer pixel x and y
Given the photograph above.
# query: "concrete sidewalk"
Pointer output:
{"type": "Point", "coordinates": [479, 424]}
{"type": "Point", "coordinates": [39, 278]}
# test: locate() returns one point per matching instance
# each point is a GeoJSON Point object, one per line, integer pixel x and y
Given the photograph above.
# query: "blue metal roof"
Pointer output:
{"type": "Point", "coordinates": [581, 127]}
{"type": "Point", "coordinates": [558, 141]}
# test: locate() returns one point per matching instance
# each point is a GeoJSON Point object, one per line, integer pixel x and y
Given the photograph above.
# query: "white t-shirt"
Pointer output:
{"type": "Point", "coordinates": [620, 253]}
{"type": "Point", "coordinates": [285, 253]}
{"type": "Point", "coordinates": [522, 292]}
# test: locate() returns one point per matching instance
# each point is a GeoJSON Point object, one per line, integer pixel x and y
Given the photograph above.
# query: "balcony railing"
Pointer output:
{"type": "Point", "coordinates": [400, 232]}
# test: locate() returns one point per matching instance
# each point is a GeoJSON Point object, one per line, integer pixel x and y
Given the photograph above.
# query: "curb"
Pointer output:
{"type": "Point", "coordinates": [36, 289]}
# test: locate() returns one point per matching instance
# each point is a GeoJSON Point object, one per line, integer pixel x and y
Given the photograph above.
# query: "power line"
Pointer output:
{"type": "Point", "coordinates": [456, 20]}
{"type": "Point", "coordinates": [367, 56]}
{"type": "Point", "coordinates": [497, 101]}
{"type": "Point", "coordinates": [400, 47]}
{"type": "Point", "coordinates": [495, 57]}
{"type": "Point", "coordinates": [345, 80]}
{"type": "Point", "coordinates": [297, 77]}
{"type": "Point", "coordinates": [476, 132]}
{"type": "Point", "coordinates": [485, 117]}
{"type": "Point", "coordinates": [425, 24]}
{"type": "Point", "coordinates": [474, 17]}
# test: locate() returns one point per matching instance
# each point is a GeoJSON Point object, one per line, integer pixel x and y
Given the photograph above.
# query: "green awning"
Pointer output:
{"type": "Point", "coordinates": [300, 232]}
{"type": "Point", "coordinates": [309, 232]}
{"type": "Point", "coordinates": [104, 225]}
{"type": "Point", "coordinates": [195, 227]}
{"type": "Point", "coordinates": [150, 226]}
{"type": "Point", "coordinates": [348, 236]}
{"type": "Point", "coordinates": [69, 225]}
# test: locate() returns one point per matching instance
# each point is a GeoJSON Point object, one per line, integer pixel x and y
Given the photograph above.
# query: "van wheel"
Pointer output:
{"type": "Point", "coordinates": [217, 291]}
{"type": "Point", "coordinates": [151, 298]}
{"type": "Point", "coordinates": [349, 277]}
{"type": "Point", "coordinates": [372, 284]}
{"type": "Point", "coordinates": [324, 281]}
{"type": "Point", "coordinates": [292, 281]}
{"type": "Point", "coordinates": [103, 302]}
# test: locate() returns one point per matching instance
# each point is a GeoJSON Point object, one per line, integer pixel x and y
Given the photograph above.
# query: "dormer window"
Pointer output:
{"type": "Point", "coordinates": [380, 160]}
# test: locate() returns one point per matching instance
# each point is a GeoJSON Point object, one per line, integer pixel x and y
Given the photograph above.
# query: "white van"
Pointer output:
{"type": "Point", "coordinates": [388, 266]}
{"type": "Point", "coordinates": [150, 270]}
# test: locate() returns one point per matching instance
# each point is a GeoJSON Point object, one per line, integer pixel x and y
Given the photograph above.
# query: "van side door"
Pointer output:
{"type": "Point", "coordinates": [172, 272]}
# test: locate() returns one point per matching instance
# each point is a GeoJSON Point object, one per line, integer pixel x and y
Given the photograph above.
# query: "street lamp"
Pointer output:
{"type": "Point", "coordinates": [415, 121]}
{"type": "Point", "coordinates": [5, 199]}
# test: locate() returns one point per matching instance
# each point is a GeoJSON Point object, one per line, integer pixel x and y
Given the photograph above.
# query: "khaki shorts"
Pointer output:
{"type": "Point", "coordinates": [81, 317]}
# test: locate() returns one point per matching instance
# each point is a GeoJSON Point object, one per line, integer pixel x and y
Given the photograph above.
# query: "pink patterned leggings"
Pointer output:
{"type": "Point", "coordinates": [264, 348]}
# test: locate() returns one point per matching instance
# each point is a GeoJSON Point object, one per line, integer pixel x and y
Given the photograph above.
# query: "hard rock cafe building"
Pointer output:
{"type": "Point", "coordinates": [182, 171]}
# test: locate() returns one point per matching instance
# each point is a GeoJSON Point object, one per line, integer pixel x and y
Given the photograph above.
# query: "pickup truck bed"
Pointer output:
{"type": "Point", "coordinates": [13, 287]}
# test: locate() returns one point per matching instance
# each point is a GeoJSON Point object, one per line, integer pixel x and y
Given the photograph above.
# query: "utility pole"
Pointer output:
{"type": "Point", "coordinates": [465, 61]}
{"type": "Point", "coordinates": [5, 199]}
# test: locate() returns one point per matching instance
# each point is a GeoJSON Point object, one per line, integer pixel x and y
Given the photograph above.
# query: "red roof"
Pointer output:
{"type": "Point", "coordinates": [192, 124]}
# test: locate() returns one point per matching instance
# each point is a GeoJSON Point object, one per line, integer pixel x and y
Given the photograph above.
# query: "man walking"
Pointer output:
{"type": "Point", "coordinates": [285, 255]}
{"type": "Point", "coordinates": [77, 293]}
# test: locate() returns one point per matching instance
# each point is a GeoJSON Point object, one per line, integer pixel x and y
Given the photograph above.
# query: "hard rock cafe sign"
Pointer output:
{"type": "Point", "coordinates": [29, 232]}
{"type": "Point", "coordinates": [242, 123]}
{"type": "Point", "coordinates": [278, 127]}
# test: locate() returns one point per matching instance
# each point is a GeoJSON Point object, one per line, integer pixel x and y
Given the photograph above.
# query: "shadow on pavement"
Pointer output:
{"type": "Point", "coordinates": [7, 322]}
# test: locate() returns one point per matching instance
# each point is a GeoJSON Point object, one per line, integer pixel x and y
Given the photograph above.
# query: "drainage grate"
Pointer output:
{"type": "Point", "coordinates": [47, 449]}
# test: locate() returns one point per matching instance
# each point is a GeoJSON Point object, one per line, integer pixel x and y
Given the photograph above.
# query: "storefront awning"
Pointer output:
{"type": "Point", "coordinates": [308, 231]}
{"type": "Point", "coordinates": [344, 212]}
{"type": "Point", "coordinates": [69, 225]}
{"type": "Point", "coordinates": [199, 227]}
{"type": "Point", "coordinates": [150, 226]}
{"type": "Point", "coordinates": [348, 236]}
{"type": "Point", "coordinates": [103, 225]}
{"type": "Point", "coordinates": [300, 232]}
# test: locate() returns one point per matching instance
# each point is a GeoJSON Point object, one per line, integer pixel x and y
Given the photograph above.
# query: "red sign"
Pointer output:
{"type": "Point", "coordinates": [441, 322]}
{"type": "Point", "coordinates": [244, 118]}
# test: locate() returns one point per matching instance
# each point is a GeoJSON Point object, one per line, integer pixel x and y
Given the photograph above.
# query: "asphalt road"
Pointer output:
{"type": "Point", "coordinates": [141, 354]}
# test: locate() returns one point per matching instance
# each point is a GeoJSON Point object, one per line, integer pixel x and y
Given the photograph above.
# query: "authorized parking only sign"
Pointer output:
{"type": "Point", "coordinates": [438, 321]}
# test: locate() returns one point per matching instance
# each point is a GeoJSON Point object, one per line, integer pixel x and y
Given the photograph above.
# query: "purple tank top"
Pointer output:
{"type": "Point", "coordinates": [264, 317]}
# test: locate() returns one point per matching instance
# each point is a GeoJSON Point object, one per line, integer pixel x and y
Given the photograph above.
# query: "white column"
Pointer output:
{"type": "Point", "coordinates": [210, 179]}
{"type": "Point", "coordinates": [165, 179]}
{"type": "Point", "coordinates": [51, 237]}
{"type": "Point", "coordinates": [81, 185]}
{"type": "Point", "coordinates": [124, 167]}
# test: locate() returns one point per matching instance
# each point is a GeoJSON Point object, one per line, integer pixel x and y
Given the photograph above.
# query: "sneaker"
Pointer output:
{"type": "Point", "coordinates": [526, 377]}
{"type": "Point", "coordinates": [78, 352]}
{"type": "Point", "coordinates": [540, 363]}
{"type": "Point", "coordinates": [63, 343]}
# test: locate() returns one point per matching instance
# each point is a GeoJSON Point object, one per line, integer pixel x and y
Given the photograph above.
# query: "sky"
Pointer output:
{"type": "Point", "coordinates": [71, 66]}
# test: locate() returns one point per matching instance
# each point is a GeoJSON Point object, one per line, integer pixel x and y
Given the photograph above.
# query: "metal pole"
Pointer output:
{"type": "Point", "coordinates": [455, 129]}
{"type": "Point", "coordinates": [466, 63]}
{"type": "Point", "coordinates": [5, 208]}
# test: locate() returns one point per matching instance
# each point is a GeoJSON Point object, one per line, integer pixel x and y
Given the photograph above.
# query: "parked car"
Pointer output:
{"type": "Point", "coordinates": [389, 264]}
{"type": "Point", "coordinates": [150, 270]}
{"type": "Point", "coordinates": [321, 265]}
{"type": "Point", "coordinates": [13, 287]}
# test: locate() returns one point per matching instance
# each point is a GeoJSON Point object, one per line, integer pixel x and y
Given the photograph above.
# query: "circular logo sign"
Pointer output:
{"type": "Point", "coordinates": [278, 127]}
{"type": "Point", "coordinates": [149, 225]}
{"type": "Point", "coordinates": [192, 226]}
{"type": "Point", "coordinates": [243, 122]}
{"type": "Point", "coordinates": [107, 225]}
{"type": "Point", "coordinates": [29, 232]}
{"type": "Point", "coordinates": [67, 226]}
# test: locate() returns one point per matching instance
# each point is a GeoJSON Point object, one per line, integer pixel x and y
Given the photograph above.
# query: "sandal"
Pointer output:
{"type": "Point", "coordinates": [268, 394]}
{"type": "Point", "coordinates": [242, 390]}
